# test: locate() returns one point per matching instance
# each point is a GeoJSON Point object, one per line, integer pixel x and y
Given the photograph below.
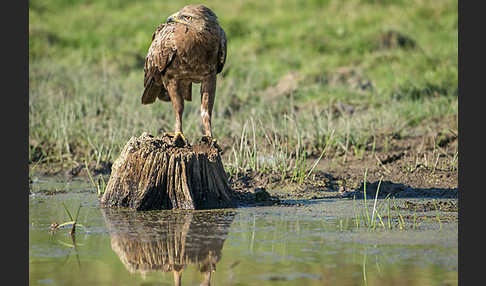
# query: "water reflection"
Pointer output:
{"type": "Point", "coordinates": [168, 241]}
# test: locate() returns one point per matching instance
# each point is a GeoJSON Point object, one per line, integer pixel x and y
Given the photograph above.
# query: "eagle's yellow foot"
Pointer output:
{"type": "Point", "coordinates": [177, 138]}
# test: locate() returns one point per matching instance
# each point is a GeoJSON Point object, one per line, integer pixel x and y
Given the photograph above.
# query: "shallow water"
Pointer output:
{"type": "Point", "coordinates": [313, 244]}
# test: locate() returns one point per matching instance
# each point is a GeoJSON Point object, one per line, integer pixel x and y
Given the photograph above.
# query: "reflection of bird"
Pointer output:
{"type": "Point", "coordinates": [169, 242]}
{"type": "Point", "coordinates": [189, 48]}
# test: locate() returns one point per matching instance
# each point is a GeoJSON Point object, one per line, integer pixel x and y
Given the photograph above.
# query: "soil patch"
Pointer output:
{"type": "Point", "coordinates": [445, 206]}
{"type": "Point", "coordinates": [403, 167]}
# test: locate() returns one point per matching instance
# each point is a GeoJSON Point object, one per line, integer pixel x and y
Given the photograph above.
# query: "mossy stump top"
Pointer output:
{"type": "Point", "coordinates": [154, 173]}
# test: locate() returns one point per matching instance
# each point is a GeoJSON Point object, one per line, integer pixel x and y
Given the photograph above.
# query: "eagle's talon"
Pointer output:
{"type": "Point", "coordinates": [178, 138]}
{"type": "Point", "coordinates": [208, 139]}
{"type": "Point", "coordinates": [205, 139]}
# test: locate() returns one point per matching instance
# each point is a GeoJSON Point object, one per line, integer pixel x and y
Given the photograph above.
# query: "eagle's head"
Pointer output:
{"type": "Point", "coordinates": [198, 17]}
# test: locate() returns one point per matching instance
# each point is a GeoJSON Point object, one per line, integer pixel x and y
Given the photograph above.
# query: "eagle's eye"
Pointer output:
{"type": "Point", "coordinates": [187, 18]}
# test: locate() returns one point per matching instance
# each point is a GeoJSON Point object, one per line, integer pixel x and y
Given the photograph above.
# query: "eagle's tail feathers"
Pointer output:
{"type": "Point", "coordinates": [150, 93]}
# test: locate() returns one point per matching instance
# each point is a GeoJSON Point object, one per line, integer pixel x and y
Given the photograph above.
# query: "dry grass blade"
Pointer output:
{"type": "Point", "coordinates": [374, 205]}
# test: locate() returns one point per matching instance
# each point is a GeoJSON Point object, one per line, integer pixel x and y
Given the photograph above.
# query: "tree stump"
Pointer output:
{"type": "Point", "coordinates": [154, 173]}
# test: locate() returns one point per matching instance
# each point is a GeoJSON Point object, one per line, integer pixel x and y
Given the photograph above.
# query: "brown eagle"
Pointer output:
{"type": "Point", "coordinates": [189, 48]}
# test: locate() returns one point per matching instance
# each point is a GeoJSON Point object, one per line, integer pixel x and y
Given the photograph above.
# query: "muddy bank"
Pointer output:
{"type": "Point", "coordinates": [249, 185]}
{"type": "Point", "coordinates": [423, 166]}
{"type": "Point", "coordinates": [406, 167]}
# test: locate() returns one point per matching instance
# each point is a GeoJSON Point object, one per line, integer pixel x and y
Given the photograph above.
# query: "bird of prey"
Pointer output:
{"type": "Point", "coordinates": [189, 48]}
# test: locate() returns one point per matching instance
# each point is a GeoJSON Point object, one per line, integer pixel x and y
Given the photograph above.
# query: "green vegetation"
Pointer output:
{"type": "Point", "coordinates": [386, 214]}
{"type": "Point", "coordinates": [301, 77]}
{"type": "Point", "coordinates": [73, 221]}
{"type": "Point", "coordinates": [100, 184]}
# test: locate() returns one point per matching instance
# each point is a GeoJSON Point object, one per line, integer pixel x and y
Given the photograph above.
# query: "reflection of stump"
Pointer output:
{"type": "Point", "coordinates": [168, 241]}
{"type": "Point", "coordinates": [153, 173]}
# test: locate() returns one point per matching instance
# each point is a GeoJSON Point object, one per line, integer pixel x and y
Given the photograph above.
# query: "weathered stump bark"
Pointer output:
{"type": "Point", "coordinates": [154, 173]}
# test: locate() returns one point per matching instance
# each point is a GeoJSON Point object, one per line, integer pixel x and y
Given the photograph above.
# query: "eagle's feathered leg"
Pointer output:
{"type": "Point", "coordinates": [177, 92]}
{"type": "Point", "coordinates": [208, 89]}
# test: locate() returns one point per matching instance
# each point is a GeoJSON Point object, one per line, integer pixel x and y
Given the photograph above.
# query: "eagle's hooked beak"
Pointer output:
{"type": "Point", "coordinates": [173, 19]}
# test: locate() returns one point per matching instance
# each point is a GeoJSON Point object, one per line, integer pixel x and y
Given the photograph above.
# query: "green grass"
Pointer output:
{"type": "Point", "coordinates": [86, 78]}
{"type": "Point", "coordinates": [73, 221]}
{"type": "Point", "coordinates": [100, 184]}
{"type": "Point", "coordinates": [384, 215]}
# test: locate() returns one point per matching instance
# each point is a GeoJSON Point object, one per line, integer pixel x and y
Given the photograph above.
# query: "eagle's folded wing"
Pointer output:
{"type": "Point", "coordinates": [159, 56]}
